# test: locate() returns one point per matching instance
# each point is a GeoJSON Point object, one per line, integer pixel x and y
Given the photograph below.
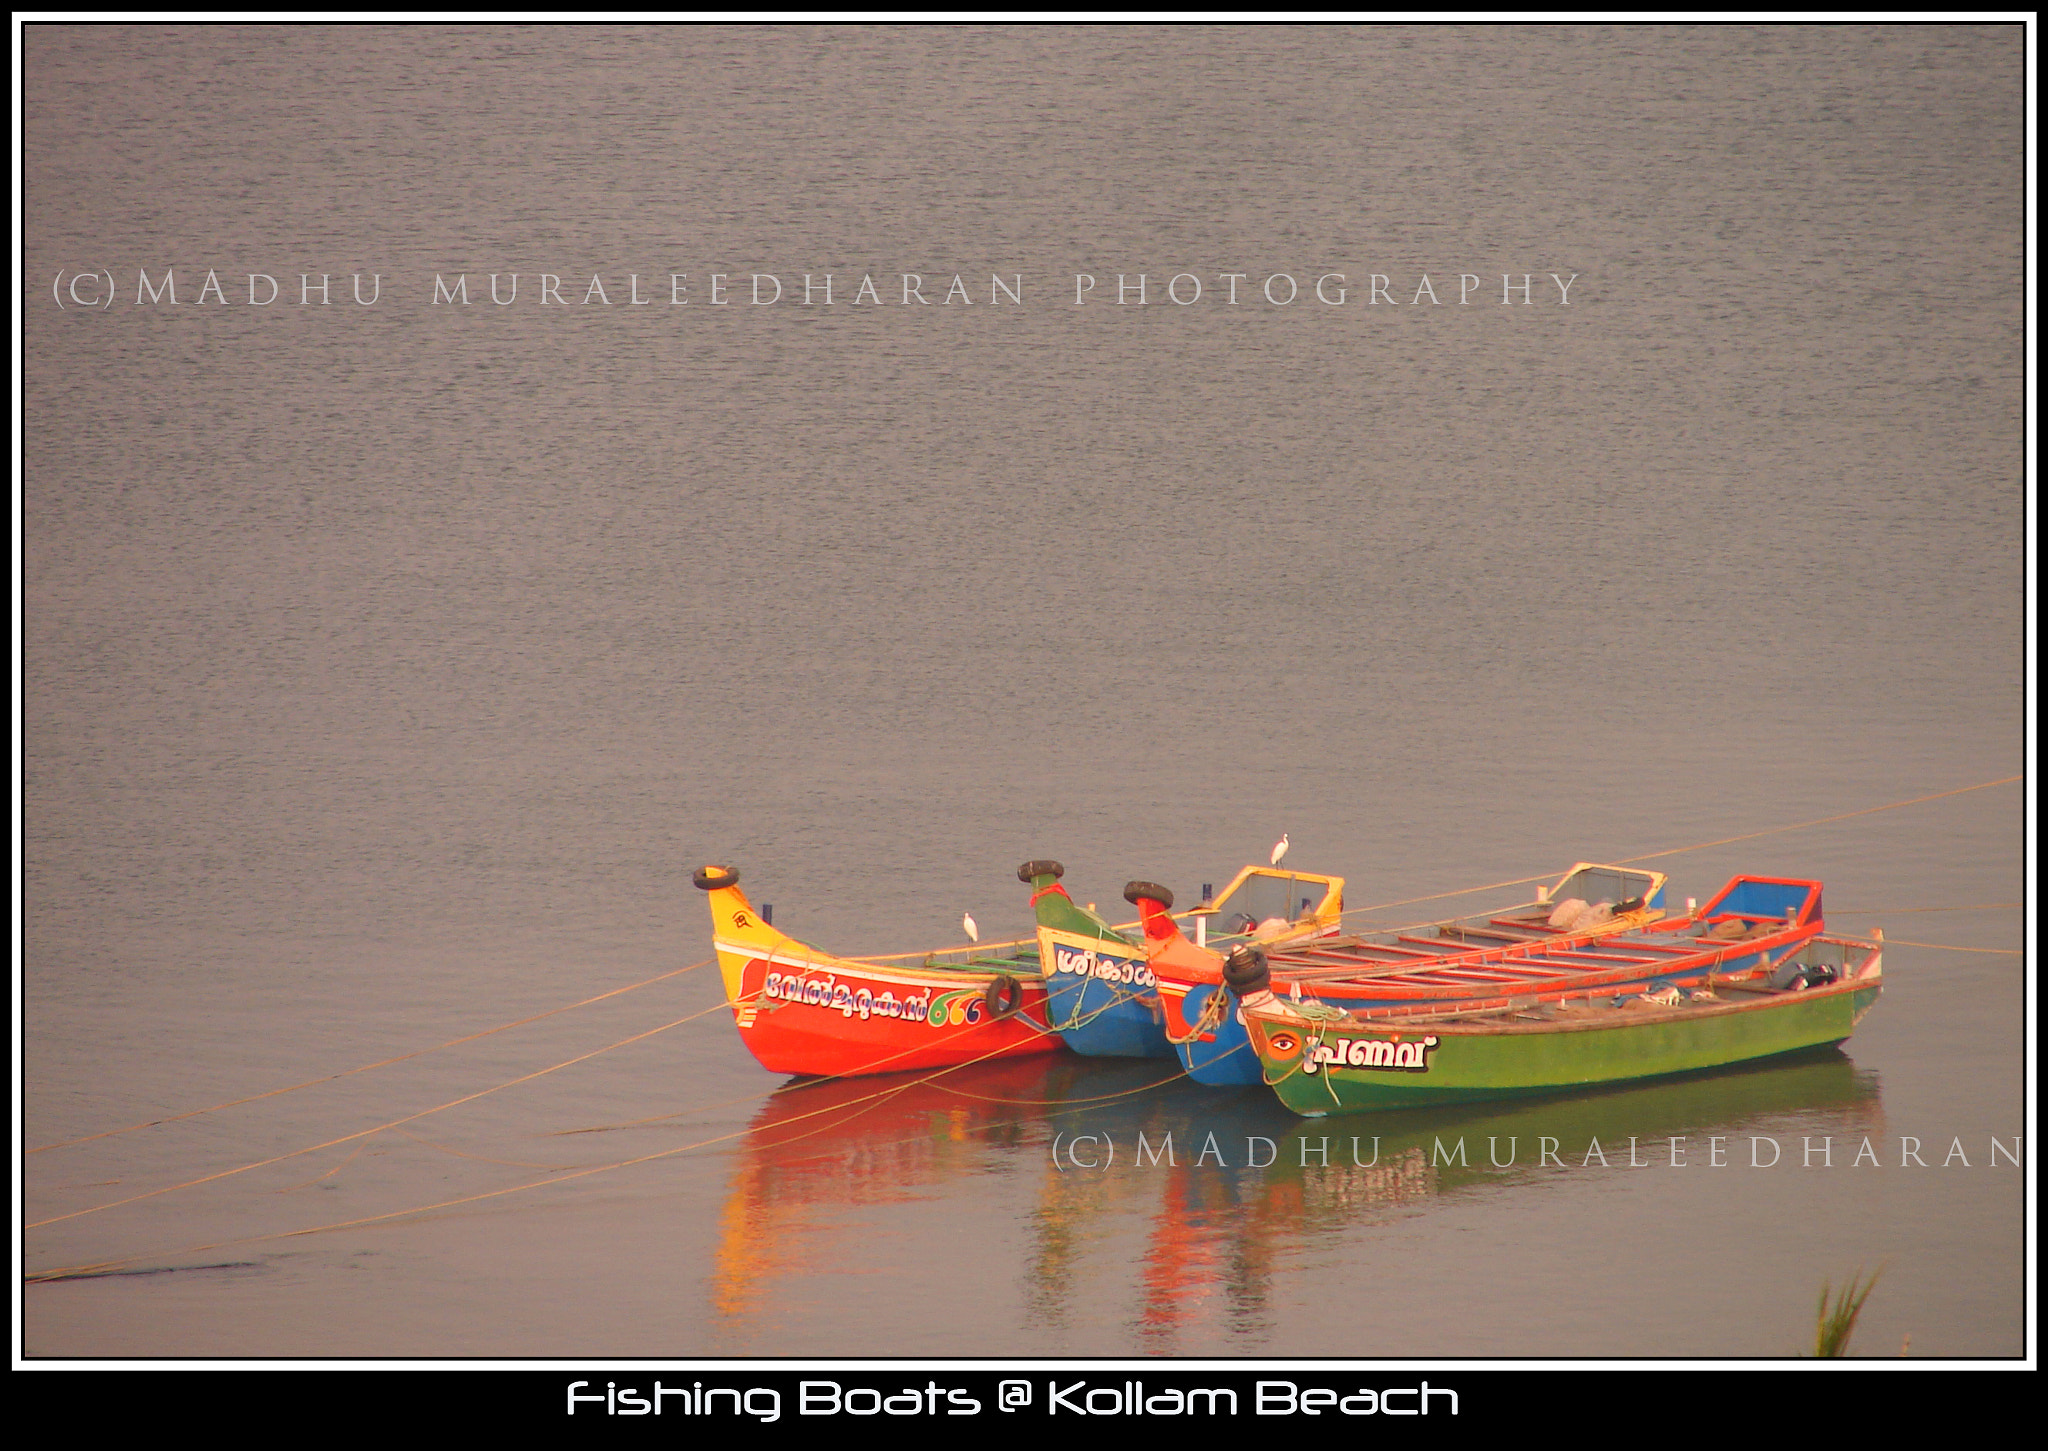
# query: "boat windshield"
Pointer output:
{"type": "Point", "coordinates": [1262, 897]}
{"type": "Point", "coordinates": [1609, 884]}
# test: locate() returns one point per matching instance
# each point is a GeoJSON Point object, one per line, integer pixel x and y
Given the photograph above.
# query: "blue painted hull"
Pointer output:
{"type": "Point", "coordinates": [1101, 998]}
{"type": "Point", "coordinates": [1227, 1060]}
{"type": "Point", "coordinates": [1107, 1022]}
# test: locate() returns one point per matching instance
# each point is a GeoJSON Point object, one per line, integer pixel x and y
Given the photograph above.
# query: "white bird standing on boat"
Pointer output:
{"type": "Point", "coordinates": [1279, 849]}
{"type": "Point", "coordinates": [967, 925]}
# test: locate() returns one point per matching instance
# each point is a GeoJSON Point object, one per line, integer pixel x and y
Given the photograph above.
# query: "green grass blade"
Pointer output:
{"type": "Point", "coordinates": [1836, 1322]}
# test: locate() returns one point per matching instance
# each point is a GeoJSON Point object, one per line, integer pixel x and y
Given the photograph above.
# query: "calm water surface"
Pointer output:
{"type": "Point", "coordinates": [388, 669]}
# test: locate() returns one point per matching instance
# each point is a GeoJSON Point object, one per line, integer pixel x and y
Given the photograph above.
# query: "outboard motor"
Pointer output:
{"type": "Point", "coordinates": [1799, 976]}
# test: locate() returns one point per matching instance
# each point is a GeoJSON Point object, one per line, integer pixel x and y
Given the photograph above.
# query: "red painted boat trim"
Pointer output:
{"type": "Point", "coordinates": [817, 1020]}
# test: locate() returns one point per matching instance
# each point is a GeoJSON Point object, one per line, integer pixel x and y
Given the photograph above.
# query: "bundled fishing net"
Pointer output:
{"type": "Point", "coordinates": [1576, 914]}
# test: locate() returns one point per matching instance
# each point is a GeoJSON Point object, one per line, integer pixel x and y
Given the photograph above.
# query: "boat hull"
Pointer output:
{"type": "Point", "coordinates": [1105, 999]}
{"type": "Point", "coordinates": [1101, 996]}
{"type": "Point", "coordinates": [1221, 1052]}
{"type": "Point", "coordinates": [1206, 1022]}
{"type": "Point", "coordinates": [803, 1011]}
{"type": "Point", "coordinates": [1323, 1067]}
{"type": "Point", "coordinates": [1209, 1037]}
{"type": "Point", "coordinates": [835, 1016]}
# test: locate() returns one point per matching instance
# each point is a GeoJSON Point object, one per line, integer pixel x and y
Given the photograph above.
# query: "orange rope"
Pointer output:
{"type": "Point", "coordinates": [1070, 1106]}
{"type": "Point", "coordinates": [813, 1082]}
{"type": "Point", "coordinates": [105, 1266]}
{"type": "Point", "coordinates": [1823, 820]}
{"type": "Point", "coordinates": [352, 1153]}
{"type": "Point", "coordinates": [484, 1158]}
{"type": "Point", "coordinates": [364, 1133]}
{"type": "Point", "coordinates": [365, 1068]}
{"type": "Point", "coordinates": [669, 1153]}
{"type": "Point", "coordinates": [1888, 911]}
{"type": "Point", "coordinates": [1697, 846]}
{"type": "Point", "coordinates": [1439, 896]}
{"type": "Point", "coordinates": [1077, 1102]}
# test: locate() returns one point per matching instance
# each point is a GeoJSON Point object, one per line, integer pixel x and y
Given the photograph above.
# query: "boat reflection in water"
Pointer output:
{"type": "Point", "coordinates": [1111, 1190]}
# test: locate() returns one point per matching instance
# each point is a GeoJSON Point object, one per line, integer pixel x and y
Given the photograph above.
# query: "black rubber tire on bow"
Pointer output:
{"type": "Point", "coordinates": [1246, 970]}
{"type": "Point", "coordinates": [1152, 890]}
{"type": "Point", "coordinates": [1003, 997]}
{"type": "Point", "coordinates": [714, 877]}
{"type": "Point", "coordinates": [1040, 869]}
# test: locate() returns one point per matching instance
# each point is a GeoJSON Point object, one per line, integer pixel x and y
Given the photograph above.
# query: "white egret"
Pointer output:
{"type": "Point", "coordinates": [1279, 849]}
{"type": "Point", "coordinates": [967, 925]}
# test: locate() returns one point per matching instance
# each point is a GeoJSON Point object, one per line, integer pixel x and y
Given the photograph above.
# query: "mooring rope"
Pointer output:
{"type": "Point", "coordinates": [1895, 911]}
{"type": "Point", "coordinates": [1821, 820]}
{"type": "Point", "coordinates": [1074, 1102]}
{"type": "Point", "coordinates": [317, 1178]}
{"type": "Point", "coordinates": [365, 1133]}
{"type": "Point", "coordinates": [873, 1066]}
{"type": "Point", "coordinates": [482, 1158]}
{"type": "Point", "coordinates": [1696, 846]}
{"type": "Point", "coordinates": [102, 1267]}
{"type": "Point", "coordinates": [561, 1177]}
{"type": "Point", "coordinates": [1206, 1021]}
{"type": "Point", "coordinates": [365, 1068]}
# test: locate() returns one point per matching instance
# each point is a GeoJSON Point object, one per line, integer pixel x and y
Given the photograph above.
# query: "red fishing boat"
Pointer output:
{"type": "Point", "coordinates": [800, 1010]}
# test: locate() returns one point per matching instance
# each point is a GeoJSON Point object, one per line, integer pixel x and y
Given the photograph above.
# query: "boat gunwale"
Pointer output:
{"type": "Point", "coordinates": [813, 959]}
{"type": "Point", "coordinates": [1135, 926]}
{"type": "Point", "coordinates": [1559, 949]}
{"type": "Point", "coordinates": [1438, 1020]}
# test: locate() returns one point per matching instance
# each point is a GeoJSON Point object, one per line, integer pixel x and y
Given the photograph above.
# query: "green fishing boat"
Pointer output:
{"type": "Point", "coordinates": [1322, 1059]}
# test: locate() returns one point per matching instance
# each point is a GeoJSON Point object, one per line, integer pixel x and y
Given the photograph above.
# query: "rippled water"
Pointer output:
{"type": "Point", "coordinates": [387, 669]}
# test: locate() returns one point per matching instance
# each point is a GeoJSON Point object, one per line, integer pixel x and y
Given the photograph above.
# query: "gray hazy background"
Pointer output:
{"type": "Point", "coordinates": [387, 670]}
